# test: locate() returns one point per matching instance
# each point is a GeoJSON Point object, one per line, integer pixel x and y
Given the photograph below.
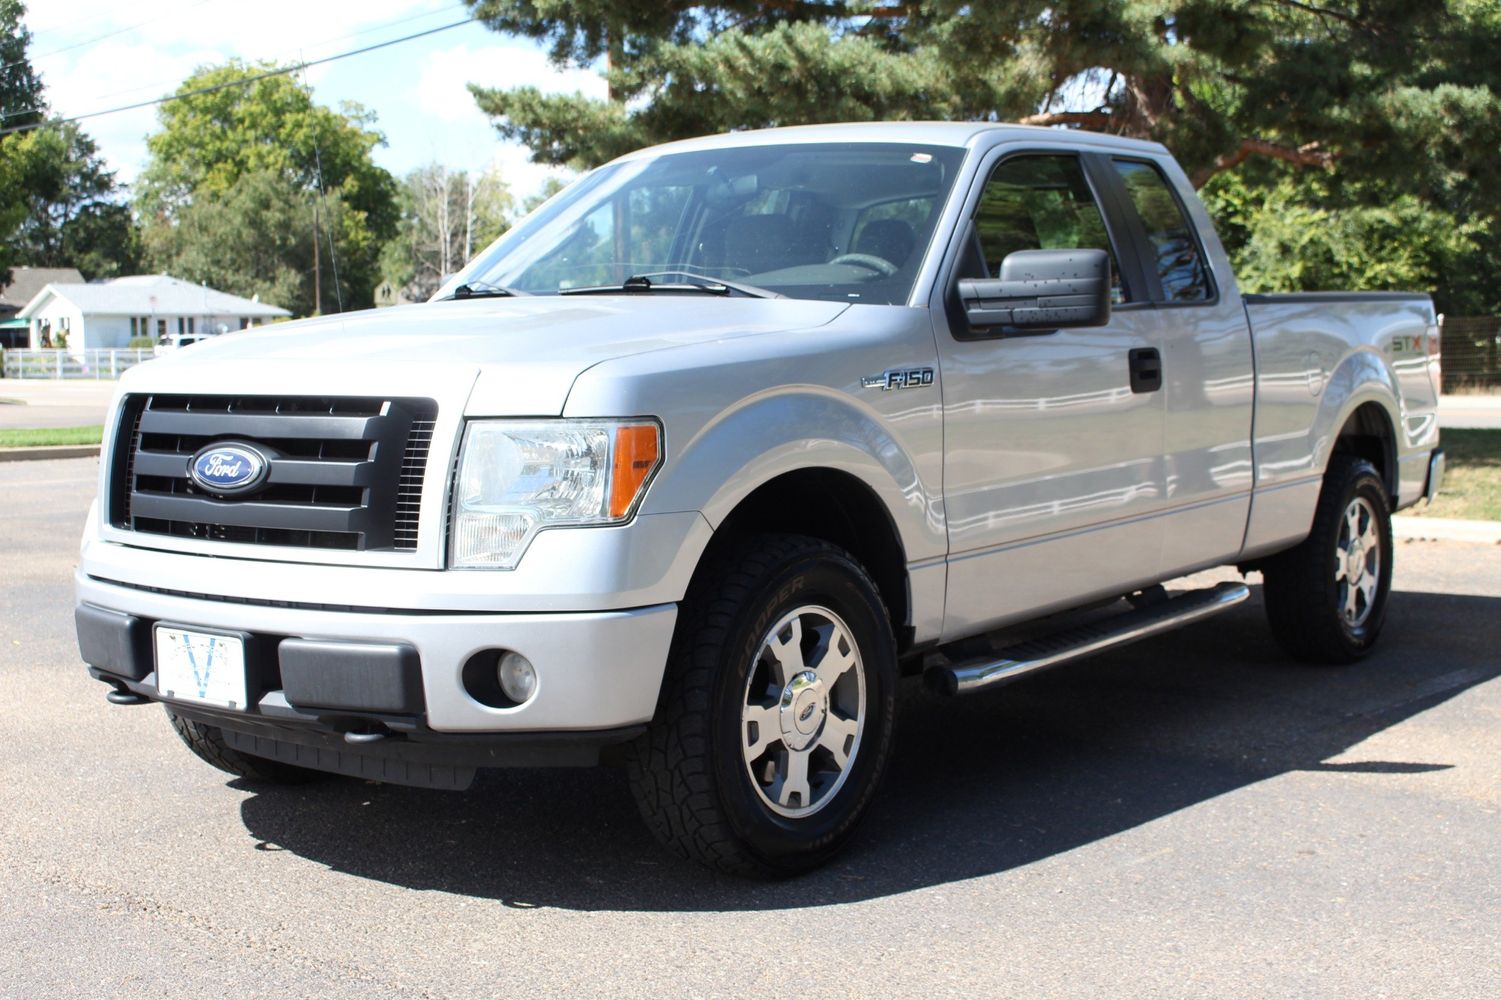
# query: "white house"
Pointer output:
{"type": "Point", "coordinates": [25, 282]}
{"type": "Point", "coordinates": [107, 314]}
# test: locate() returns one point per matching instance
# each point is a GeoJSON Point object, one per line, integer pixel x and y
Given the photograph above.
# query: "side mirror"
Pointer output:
{"type": "Point", "coordinates": [1041, 290]}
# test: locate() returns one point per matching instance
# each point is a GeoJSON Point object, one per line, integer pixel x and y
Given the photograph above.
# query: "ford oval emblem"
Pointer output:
{"type": "Point", "coordinates": [226, 469]}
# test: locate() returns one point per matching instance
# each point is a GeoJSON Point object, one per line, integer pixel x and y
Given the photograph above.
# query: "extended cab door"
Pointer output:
{"type": "Point", "coordinates": [1054, 440]}
{"type": "Point", "coordinates": [1196, 317]}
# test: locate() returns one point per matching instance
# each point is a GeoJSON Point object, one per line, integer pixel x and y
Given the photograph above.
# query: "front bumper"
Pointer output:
{"type": "Point", "coordinates": [392, 670]}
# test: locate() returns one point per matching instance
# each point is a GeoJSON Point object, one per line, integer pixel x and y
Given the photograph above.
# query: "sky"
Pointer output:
{"type": "Point", "coordinates": [94, 55]}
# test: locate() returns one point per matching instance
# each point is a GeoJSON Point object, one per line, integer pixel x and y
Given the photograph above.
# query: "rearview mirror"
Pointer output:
{"type": "Point", "coordinates": [1041, 290]}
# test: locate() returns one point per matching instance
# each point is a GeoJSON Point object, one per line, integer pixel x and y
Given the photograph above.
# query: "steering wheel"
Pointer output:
{"type": "Point", "coordinates": [869, 261]}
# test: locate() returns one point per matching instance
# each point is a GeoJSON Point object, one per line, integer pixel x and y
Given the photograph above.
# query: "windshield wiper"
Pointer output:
{"type": "Point", "coordinates": [481, 290]}
{"type": "Point", "coordinates": [687, 282]}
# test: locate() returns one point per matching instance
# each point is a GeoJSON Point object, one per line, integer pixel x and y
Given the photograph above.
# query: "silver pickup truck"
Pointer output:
{"type": "Point", "coordinates": [690, 468]}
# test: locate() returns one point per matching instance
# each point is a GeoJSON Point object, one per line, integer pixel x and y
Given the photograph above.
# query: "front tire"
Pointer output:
{"type": "Point", "coordinates": [776, 715]}
{"type": "Point", "coordinates": [1326, 597]}
{"type": "Point", "coordinates": [207, 742]}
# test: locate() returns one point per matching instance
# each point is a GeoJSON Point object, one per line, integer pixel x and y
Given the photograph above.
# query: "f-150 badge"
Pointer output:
{"type": "Point", "coordinates": [898, 378]}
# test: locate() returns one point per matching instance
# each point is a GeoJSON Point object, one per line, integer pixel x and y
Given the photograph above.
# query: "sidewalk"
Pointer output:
{"type": "Point", "coordinates": [1470, 411]}
{"type": "Point", "coordinates": [1443, 529]}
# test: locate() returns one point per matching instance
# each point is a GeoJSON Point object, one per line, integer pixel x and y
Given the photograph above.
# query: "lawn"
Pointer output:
{"type": "Point", "coordinates": [36, 437]}
{"type": "Point", "coordinates": [1472, 483]}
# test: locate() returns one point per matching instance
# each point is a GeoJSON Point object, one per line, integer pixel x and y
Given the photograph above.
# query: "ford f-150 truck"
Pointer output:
{"type": "Point", "coordinates": [690, 468]}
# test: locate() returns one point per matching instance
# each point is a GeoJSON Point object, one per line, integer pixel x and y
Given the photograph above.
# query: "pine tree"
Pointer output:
{"type": "Point", "coordinates": [1356, 103]}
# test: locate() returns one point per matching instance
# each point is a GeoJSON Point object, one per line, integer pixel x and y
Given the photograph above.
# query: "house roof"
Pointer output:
{"type": "Point", "coordinates": [150, 295]}
{"type": "Point", "coordinates": [25, 282]}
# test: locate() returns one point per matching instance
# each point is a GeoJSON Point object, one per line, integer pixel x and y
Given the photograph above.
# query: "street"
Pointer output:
{"type": "Point", "coordinates": [1190, 816]}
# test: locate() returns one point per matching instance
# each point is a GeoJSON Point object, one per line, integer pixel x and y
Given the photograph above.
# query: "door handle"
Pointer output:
{"type": "Point", "coordinates": [1146, 369]}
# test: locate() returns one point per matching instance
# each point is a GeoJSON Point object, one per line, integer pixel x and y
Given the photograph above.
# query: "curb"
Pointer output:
{"type": "Point", "coordinates": [49, 451]}
{"type": "Point", "coordinates": [1444, 529]}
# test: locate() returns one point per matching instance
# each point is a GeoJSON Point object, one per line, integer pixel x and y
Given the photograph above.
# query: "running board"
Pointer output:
{"type": "Point", "coordinates": [1075, 644]}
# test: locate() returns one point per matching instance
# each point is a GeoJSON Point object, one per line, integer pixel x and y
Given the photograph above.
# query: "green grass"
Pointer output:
{"type": "Point", "coordinates": [1472, 481]}
{"type": "Point", "coordinates": [37, 437]}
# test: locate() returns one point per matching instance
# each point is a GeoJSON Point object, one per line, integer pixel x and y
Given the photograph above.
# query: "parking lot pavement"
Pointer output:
{"type": "Point", "coordinates": [44, 403]}
{"type": "Point", "coordinates": [1190, 816]}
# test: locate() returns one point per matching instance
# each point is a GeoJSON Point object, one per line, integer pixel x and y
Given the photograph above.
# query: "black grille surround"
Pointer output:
{"type": "Point", "coordinates": [346, 473]}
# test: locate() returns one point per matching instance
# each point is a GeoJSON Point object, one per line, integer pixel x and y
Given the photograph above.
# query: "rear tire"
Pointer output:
{"type": "Point", "coordinates": [207, 742]}
{"type": "Point", "coordinates": [776, 714]}
{"type": "Point", "coordinates": [1326, 597]}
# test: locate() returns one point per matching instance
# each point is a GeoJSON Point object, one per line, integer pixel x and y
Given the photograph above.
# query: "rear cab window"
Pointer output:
{"type": "Point", "coordinates": [1176, 257]}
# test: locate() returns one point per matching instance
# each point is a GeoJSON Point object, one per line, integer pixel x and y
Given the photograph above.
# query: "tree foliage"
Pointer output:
{"type": "Point", "coordinates": [254, 240]}
{"type": "Point", "coordinates": [73, 217]}
{"type": "Point", "coordinates": [21, 103]}
{"type": "Point", "coordinates": [1356, 113]}
{"type": "Point", "coordinates": [257, 156]}
{"type": "Point", "coordinates": [59, 204]}
{"type": "Point", "coordinates": [446, 217]}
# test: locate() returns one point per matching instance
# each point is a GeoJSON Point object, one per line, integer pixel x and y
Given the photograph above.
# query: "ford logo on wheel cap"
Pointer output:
{"type": "Point", "coordinates": [227, 469]}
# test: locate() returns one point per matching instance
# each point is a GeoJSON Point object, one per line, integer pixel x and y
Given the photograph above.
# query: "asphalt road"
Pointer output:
{"type": "Point", "coordinates": [51, 403]}
{"type": "Point", "coordinates": [1191, 816]}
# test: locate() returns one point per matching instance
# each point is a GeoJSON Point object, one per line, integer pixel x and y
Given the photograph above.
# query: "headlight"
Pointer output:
{"type": "Point", "coordinates": [516, 478]}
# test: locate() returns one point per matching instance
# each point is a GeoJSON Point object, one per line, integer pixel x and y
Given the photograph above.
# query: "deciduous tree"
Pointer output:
{"type": "Point", "coordinates": [210, 144]}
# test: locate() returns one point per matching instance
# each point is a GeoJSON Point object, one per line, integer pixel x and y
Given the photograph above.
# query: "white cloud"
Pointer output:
{"type": "Point", "coordinates": [267, 29]}
{"type": "Point", "coordinates": [417, 90]}
{"type": "Point", "coordinates": [468, 137]}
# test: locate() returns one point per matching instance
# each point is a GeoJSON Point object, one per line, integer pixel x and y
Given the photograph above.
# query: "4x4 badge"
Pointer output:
{"type": "Point", "coordinates": [898, 378]}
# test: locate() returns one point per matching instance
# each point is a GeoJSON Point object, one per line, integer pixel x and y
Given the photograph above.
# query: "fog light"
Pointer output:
{"type": "Point", "coordinates": [518, 678]}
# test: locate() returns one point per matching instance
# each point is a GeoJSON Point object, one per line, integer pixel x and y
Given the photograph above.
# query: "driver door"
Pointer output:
{"type": "Point", "coordinates": [1053, 467]}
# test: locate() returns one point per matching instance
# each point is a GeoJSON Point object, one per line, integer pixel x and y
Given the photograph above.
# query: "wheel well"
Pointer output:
{"type": "Point", "coordinates": [838, 508]}
{"type": "Point", "coordinates": [1368, 435]}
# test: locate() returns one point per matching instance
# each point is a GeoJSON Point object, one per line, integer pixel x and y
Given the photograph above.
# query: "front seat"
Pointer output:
{"type": "Point", "coordinates": [757, 243]}
{"type": "Point", "coordinates": [890, 239]}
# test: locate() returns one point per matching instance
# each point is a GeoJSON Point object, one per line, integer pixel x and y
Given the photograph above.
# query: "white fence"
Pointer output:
{"type": "Point", "coordinates": [62, 363]}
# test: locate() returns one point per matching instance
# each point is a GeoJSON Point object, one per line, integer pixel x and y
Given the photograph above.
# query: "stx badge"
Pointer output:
{"type": "Point", "coordinates": [898, 378]}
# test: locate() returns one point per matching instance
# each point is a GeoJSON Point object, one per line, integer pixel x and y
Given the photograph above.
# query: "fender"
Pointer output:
{"type": "Point", "coordinates": [767, 436]}
{"type": "Point", "coordinates": [1363, 376]}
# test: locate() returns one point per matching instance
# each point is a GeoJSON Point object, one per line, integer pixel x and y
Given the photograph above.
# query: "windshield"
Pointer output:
{"type": "Point", "coordinates": [837, 221]}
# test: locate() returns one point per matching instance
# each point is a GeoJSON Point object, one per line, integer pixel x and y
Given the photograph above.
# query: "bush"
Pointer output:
{"type": "Point", "coordinates": [140, 344]}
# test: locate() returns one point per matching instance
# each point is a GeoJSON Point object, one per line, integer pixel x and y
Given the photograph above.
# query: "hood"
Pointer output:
{"type": "Point", "coordinates": [521, 355]}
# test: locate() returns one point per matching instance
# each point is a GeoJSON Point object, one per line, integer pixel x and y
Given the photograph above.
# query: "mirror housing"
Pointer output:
{"type": "Point", "coordinates": [1041, 290]}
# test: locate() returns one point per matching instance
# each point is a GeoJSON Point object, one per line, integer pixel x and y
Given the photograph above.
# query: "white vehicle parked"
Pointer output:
{"type": "Point", "coordinates": [690, 467]}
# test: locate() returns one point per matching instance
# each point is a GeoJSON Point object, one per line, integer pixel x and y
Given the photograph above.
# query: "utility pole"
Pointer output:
{"type": "Point", "coordinates": [317, 275]}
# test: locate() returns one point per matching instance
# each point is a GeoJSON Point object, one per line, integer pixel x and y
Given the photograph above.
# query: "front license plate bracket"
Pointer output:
{"type": "Point", "coordinates": [202, 666]}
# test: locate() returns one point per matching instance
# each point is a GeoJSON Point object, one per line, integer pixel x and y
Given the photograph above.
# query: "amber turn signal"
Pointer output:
{"type": "Point", "coordinates": [638, 449]}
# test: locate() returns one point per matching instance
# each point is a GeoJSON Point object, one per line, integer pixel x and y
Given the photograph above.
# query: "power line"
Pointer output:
{"type": "Point", "coordinates": [236, 83]}
{"type": "Point", "coordinates": [103, 37]}
{"type": "Point", "coordinates": [158, 87]}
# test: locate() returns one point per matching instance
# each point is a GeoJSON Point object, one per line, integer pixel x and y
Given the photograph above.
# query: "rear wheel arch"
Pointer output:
{"type": "Point", "coordinates": [1368, 433]}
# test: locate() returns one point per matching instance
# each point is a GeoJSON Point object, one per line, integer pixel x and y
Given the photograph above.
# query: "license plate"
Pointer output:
{"type": "Point", "coordinates": [200, 667]}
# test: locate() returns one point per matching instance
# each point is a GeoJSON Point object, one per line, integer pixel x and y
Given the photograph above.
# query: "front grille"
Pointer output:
{"type": "Point", "coordinates": [346, 473]}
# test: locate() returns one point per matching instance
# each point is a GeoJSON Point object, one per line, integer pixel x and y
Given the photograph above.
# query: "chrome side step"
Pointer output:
{"type": "Point", "coordinates": [1077, 643]}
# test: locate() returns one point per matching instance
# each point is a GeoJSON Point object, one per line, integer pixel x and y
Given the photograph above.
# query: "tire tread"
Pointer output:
{"type": "Point", "coordinates": [1296, 582]}
{"type": "Point", "coordinates": [670, 766]}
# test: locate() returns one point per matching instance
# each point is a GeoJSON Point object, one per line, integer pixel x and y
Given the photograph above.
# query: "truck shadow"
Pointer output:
{"type": "Point", "coordinates": [978, 785]}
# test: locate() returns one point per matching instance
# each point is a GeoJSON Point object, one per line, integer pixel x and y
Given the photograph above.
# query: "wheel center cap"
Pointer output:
{"type": "Point", "coordinates": [803, 707]}
{"type": "Point", "coordinates": [1355, 562]}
